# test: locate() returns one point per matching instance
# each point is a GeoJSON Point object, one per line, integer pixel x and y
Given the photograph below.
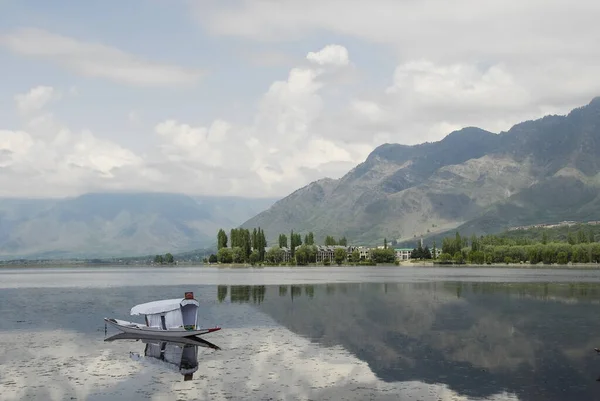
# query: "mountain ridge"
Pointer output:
{"type": "Point", "coordinates": [117, 224]}
{"type": "Point", "coordinates": [469, 180]}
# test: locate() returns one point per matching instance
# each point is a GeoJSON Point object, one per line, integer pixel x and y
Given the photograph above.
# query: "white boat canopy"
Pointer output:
{"type": "Point", "coordinates": [162, 306]}
{"type": "Point", "coordinates": [169, 313]}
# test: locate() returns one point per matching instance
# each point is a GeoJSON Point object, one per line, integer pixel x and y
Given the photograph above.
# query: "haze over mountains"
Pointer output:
{"type": "Point", "coordinates": [475, 181]}
{"type": "Point", "coordinates": [117, 224]}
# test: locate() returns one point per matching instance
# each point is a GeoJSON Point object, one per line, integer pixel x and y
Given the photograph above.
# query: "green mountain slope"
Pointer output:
{"type": "Point", "coordinates": [480, 182]}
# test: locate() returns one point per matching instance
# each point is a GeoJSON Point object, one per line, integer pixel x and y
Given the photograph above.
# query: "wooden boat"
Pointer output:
{"type": "Point", "coordinates": [166, 318]}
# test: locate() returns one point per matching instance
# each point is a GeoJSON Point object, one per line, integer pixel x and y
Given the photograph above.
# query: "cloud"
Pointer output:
{"type": "Point", "coordinates": [96, 60]}
{"type": "Point", "coordinates": [418, 29]}
{"type": "Point", "coordinates": [458, 64]}
{"type": "Point", "coordinates": [306, 126]}
{"type": "Point", "coordinates": [35, 99]}
{"type": "Point", "coordinates": [280, 149]}
{"type": "Point", "coordinates": [330, 54]}
{"type": "Point", "coordinates": [53, 160]}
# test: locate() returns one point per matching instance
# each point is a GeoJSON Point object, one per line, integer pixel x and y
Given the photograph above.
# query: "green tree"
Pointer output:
{"type": "Point", "coordinates": [283, 241]}
{"type": "Point", "coordinates": [355, 257]}
{"type": "Point", "coordinates": [237, 254]}
{"type": "Point", "coordinates": [262, 243]}
{"type": "Point", "coordinates": [302, 255]}
{"type": "Point", "coordinates": [330, 241]}
{"type": "Point", "coordinates": [212, 258]}
{"type": "Point", "coordinates": [169, 259]}
{"type": "Point", "coordinates": [343, 241]}
{"type": "Point", "coordinates": [591, 237]}
{"type": "Point", "coordinates": [255, 239]}
{"type": "Point", "coordinates": [474, 243]}
{"type": "Point", "coordinates": [434, 251]}
{"type": "Point", "coordinates": [221, 239]}
{"type": "Point", "coordinates": [274, 255]}
{"type": "Point", "coordinates": [254, 257]}
{"type": "Point", "coordinates": [225, 255]}
{"type": "Point", "coordinates": [544, 237]}
{"type": "Point", "coordinates": [383, 255]}
{"type": "Point", "coordinates": [570, 238]}
{"type": "Point", "coordinates": [458, 258]}
{"type": "Point", "coordinates": [445, 257]}
{"type": "Point", "coordinates": [311, 239]}
{"type": "Point", "coordinates": [385, 243]}
{"type": "Point", "coordinates": [477, 257]}
{"type": "Point", "coordinates": [340, 255]}
{"type": "Point", "coordinates": [581, 237]}
{"type": "Point", "coordinates": [158, 259]}
{"type": "Point", "coordinates": [426, 253]}
{"type": "Point", "coordinates": [458, 243]}
{"type": "Point", "coordinates": [233, 237]}
{"type": "Point", "coordinates": [562, 258]}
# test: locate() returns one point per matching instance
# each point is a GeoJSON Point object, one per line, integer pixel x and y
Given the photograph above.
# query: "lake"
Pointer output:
{"type": "Point", "coordinates": [350, 333]}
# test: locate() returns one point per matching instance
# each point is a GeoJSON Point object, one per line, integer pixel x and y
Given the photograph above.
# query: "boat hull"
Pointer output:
{"type": "Point", "coordinates": [136, 328]}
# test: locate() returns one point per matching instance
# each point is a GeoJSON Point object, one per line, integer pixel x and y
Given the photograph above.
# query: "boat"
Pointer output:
{"type": "Point", "coordinates": [180, 354]}
{"type": "Point", "coordinates": [166, 318]}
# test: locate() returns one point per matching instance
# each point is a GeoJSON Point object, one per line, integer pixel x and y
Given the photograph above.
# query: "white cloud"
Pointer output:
{"type": "Point", "coordinates": [281, 149]}
{"type": "Point", "coordinates": [458, 63]}
{"type": "Point", "coordinates": [330, 54]}
{"type": "Point", "coordinates": [297, 134]}
{"type": "Point", "coordinates": [96, 60]}
{"type": "Point", "coordinates": [418, 29]}
{"type": "Point", "coordinates": [47, 159]}
{"type": "Point", "coordinates": [35, 99]}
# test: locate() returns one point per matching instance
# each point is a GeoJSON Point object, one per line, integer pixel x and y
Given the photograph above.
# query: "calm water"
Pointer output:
{"type": "Point", "coordinates": [329, 334]}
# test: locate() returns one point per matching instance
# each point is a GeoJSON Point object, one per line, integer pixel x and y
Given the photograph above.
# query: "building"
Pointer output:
{"type": "Point", "coordinates": [287, 254]}
{"type": "Point", "coordinates": [327, 252]}
{"type": "Point", "coordinates": [402, 253]}
{"type": "Point", "coordinates": [364, 252]}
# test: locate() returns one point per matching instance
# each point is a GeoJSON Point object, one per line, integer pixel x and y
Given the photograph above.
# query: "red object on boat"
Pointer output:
{"type": "Point", "coordinates": [189, 295]}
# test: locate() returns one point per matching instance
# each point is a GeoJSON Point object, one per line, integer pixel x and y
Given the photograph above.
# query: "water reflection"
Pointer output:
{"type": "Point", "coordinates": [564, 292]}
{"type": "Point", "coordinates": [532, 339]}
{"type": "Point", "coordinates": [180, 353]}
{"type": "Point", "coordinates": [424, 341]}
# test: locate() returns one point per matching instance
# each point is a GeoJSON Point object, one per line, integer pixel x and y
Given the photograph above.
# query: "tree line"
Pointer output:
{"type": "Point", "coordinates": [579, 247]}
{"type": "Point", "coordinates": [249, 247]}
{"type": "Point", "coordinates": [246, 246]}
{"type": "Point", "coordinates": [167, 259]}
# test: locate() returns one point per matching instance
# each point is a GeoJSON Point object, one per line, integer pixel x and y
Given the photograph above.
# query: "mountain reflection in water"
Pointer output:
{"type": "Point", "coordinates": [535, 340]}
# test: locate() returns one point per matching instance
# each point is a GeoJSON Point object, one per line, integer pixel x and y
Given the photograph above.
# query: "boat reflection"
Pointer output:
{"type": "Point", "coordinates": [176, 353]}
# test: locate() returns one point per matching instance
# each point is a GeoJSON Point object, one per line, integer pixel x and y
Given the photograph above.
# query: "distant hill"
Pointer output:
{"type": "Point", "coordinates": [117, 224]}
{"type": "Point", "coordinates": [478, 182]}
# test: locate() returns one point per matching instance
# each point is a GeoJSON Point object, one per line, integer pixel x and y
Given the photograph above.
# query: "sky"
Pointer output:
{"type": "Point", "coordinates": [258, 98]}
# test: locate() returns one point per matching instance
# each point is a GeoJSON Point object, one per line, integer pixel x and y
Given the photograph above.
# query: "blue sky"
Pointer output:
{"type": "Point", "coordinates": [124, 96]}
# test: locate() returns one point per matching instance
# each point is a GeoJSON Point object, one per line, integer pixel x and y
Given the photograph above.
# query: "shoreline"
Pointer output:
{"type": "Point", "coordinates": [403, 264]}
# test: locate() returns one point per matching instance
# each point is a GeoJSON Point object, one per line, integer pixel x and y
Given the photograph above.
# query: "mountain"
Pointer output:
{"type": "Point", "coordinates": [117, 224]}
{"type": "Point", "coordinates": [472, 180]}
